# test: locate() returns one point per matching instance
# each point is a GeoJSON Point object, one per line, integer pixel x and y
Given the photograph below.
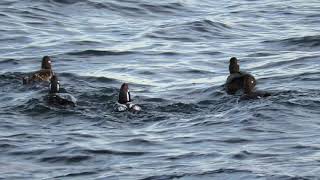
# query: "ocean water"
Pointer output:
{"type": "Point", "coordinates": [174, 54]}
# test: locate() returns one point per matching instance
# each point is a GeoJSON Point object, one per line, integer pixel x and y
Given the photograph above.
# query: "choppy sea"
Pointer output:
{"type": "Point", "coordinates": [174, 54]}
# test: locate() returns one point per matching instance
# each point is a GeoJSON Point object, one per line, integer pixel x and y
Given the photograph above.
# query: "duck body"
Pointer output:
{"type": "Point", "coordinates": [249, 91]}
{"type": "Point", "coordinates": [127, 107]}
{"type": "Point", "coordinates": [59, 96]}
{"type": "Point", "coordinates": [61, 99]}
{"type": "Point", "coordinates": [44, 74]}
{"type": "Point", "coordinates": [235, 82]}
{"type": "Point", "coordinates": [39, 76]}
{"type": "Point", "coordinates": [236, 79]}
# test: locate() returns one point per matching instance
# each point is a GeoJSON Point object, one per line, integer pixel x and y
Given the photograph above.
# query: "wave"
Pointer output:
{"type": "Point", "coordinates": [66, 1]}
{"type": "Point", "coordinates": [207, 26]}
{"type": "Point", "coordinates": [298, 43]}
{"type": "Point", "coordinates": [138, 141]}
{"type": "Point", "coordinates": [181, 108]}
{"type": "Point", "coordinates": [228, 172]}
{"type": "Point", "coordinates": [100, 53]}
{"type": "Point", "coordinates": [246, 154]}
{"type": "Point", "coordinates": [192, 31]}
{"type": "Point", "coordinates": [188, 120]}
{"type": "Point", "coordinates": [7, 2]}
{"type": "Point", "coordinates": [114, 152]}
{"type": "Point", "coordinates": [76, 174]}
{"type": "Point", "coordinates": [306, 147]}
{"type": "Point", "coordinates": [66, 159]}
{"type": "Point", "coordinates": [26, 152]}
{"type": "Point", "coordinates": [7, 146]}
{"type": "Point", "coordinates": [192, 155]}
{"type": "Point", "coordinates": [194, 72]}
{"type": "Point", "coordinates": [306, 61]}
{"type": "Point", "coordinates": [166, 8]}
{"type": "Point", "coordinates": [236, 140]}
{"type": "Point", "coordinates": [143, 9]}
{"type": "Point", "coordinates": [129, 10]}
{"type": "Point", "coordinates": [75, 79]}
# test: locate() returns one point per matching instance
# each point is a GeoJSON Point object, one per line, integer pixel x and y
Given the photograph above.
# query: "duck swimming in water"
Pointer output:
{"type": "Point", "coordinates": [44, 74]}
{"type": "Point", "coordinates": [57, 95]}
{"type": "Point", "coordinates": [235, 80]}
{"type": "Point", "coordinates": [124, 101]}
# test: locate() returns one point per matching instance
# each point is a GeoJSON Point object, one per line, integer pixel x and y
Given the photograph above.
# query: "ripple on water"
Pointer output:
{"type": "Point", "coordinates": [175, 56]}
{"type": "Point", "coordinates": [305, 43]}
{"type": "Point", "coordinates": [101, 53]}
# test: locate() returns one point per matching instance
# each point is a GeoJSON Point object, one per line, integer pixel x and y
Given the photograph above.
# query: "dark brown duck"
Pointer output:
{"type": "Point", "coordinates": [44, 74]}
{"type": "Point", "coordinates": [235, 80]}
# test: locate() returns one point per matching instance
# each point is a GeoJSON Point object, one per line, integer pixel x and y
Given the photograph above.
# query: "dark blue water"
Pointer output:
{"type": "Point", "coordinates": [174, 54]}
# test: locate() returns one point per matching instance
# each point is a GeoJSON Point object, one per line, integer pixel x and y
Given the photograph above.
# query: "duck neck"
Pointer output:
{"type": "Point", "coordinates": [54, 87]}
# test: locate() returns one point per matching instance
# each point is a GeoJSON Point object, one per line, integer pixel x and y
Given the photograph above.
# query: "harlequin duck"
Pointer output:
{"type": "Point", "coordinates": [57, 95]}
{"type": "Point", "coordinates": [125, 102]}
{"type": "Point", "coordinates": [44, 74]}
{"type": "Point", "coordinates": [235, 80]}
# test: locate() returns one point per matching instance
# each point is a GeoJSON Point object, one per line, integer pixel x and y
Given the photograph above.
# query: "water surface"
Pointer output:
{"type": "Point", "coordinates": [174, 54]}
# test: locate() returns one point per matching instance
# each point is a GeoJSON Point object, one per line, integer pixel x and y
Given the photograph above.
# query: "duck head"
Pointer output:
{"type": "Point", "coordinates": [124, 95]}
{"type": "Point", "coordinates": [46, 62]}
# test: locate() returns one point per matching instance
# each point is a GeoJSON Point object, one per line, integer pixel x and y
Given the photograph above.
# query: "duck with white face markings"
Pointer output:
{"type": "Point", "coordinates": [125, 102]}
{"type": "Point", "coordinates": [58, 95]}
{"type": "Point", "coordinates": [44, 74]}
